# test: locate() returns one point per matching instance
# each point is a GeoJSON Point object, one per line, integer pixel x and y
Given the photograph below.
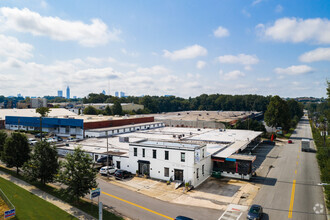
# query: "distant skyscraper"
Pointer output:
{"type": "Point", "coordinates": [74, 97]}
{"type": "Point", "coordinates": [19, 95]}
{"type": "Point", "coordinates": [68, 92]}
{"type": "Point", "coordinates": [60, 93]}
{"type": "Point", "coordinates": [122, 94]}
{"type": "Point", "coordinates": [103, 92]}
{"type": "Point", "coordinates": [117, 94]}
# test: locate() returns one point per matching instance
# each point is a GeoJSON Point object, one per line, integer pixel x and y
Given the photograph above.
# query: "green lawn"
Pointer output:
{"type": "Point", "coordinates": [29, 206]}
{"type": "Point", "coordinates": [83, 204]}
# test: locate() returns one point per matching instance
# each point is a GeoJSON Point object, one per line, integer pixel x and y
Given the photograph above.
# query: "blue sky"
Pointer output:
{"type": "Point", "coordinates": [182, 48]}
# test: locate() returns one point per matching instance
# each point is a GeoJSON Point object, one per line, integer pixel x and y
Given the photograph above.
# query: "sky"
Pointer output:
{"type": "Point", "coordinates": [151, 47]}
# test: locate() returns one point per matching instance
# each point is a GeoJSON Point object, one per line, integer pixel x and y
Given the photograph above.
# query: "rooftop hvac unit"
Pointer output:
{"type": "Point", "coordinates": [123, 139]}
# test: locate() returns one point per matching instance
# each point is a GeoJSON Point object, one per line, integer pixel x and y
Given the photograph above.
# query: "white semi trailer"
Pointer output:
{"type": "Point", "coordinates": [305, 145]}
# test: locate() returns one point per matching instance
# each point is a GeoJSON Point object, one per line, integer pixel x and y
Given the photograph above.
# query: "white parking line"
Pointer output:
{"type": "Point", "coordinates": [233, 212]}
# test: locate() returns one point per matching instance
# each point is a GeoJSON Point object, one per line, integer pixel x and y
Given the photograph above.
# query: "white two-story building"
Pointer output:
{"type": "Point", "coordinates": [167, 161]}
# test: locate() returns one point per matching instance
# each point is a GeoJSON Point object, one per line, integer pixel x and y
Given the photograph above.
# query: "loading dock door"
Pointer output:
{"type": "Point", "coordinates": [178, 175]}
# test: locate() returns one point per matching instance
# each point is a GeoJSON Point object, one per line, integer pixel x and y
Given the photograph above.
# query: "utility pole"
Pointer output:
{"type": "Point", "coordinates": [107, 154]}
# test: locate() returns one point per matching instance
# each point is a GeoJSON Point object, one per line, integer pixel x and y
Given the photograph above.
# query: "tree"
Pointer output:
{"type": "Point", "coordinates": [3, 137]}
{"type": "Point", "coordinates": [90, 110]}
{"type": "Point", "coordinates": [43, 164]}
{"type": "Point", "coordinates": [77, 174]}
{"type": "Point", "coordinates": [107, 110]}
{"type": "Point", "coordinates": [16, 151]}
{"type": "Point", "coordinates": [43, 111]}
{"type": "Point", "coordinates": [277, 113]}
{"type": "Point", "coordinates": [116, 108]}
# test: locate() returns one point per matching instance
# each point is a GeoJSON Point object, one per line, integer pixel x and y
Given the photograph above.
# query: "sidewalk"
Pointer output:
{"type": "Point", "coordinates": [49, 198]}
{"type": "Point", "coordinates": [213, 193]}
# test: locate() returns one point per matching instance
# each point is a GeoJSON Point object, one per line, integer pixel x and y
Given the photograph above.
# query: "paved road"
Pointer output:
{"type": "Point", "coordinates": [295, 192]}
{"type": "Point", "coordinates": [138, 206]}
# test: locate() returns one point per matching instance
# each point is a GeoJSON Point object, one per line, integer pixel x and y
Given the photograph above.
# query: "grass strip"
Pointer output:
{"type": "Point", "coordinates": [30, 206]}
{"type": "Point", "coordinates": [83, 205]}
{"type": "Point", "coordinates": [323, 159]}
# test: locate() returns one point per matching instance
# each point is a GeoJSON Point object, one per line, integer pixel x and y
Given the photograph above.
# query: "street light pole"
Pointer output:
{"type": "Point", "coordinates": [107, 155]}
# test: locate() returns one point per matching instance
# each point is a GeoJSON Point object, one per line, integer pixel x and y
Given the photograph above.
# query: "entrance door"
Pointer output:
{"type": "Point", "coordinates": [178, 175]}
{"type": "Point", "coordinates": [144, 168]}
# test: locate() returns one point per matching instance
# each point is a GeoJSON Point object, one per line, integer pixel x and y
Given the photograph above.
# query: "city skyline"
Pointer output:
{"type": "Point", "coordinates": [184, 48]}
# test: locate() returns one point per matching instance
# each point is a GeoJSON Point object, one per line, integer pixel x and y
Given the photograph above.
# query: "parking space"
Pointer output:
{"type": "Point", "coordinates": [233, 212]}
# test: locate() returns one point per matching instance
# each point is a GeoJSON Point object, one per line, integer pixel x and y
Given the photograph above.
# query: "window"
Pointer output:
{"type": "Point", "coordinates": [166, 155]}
{"type": "Point", "coordinates": [203, 169]}
{"type": "Point", "coordinates": [183, 157]}
{"type": "Point", "coordinates": [166, 172]}
{"type": "Point", "coordinates": [135, 151]}
{"type": "Point", "coordinates": [154, 154]}
{"type": "Point", "coordinates": [203, 154]}
{"type": "Point", "coordinates": [143, 152]}
{"type": "Point", "coordinates": [118, 164]}
{"type": "Point", "coordinates": [197, 173]}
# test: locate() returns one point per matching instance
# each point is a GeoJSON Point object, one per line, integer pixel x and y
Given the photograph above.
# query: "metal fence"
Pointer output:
{"type": "Point", "coordinates": [7, 201]}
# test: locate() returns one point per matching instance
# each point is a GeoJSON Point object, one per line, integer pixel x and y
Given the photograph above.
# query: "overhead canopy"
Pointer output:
{"type": "Point", "coordinates": [144, 161]}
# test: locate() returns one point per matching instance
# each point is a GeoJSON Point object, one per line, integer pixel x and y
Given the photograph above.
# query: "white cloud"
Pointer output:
{"type": "Point", "coordinates": [221, 32]}
{"type": "Point", "coordinates": [294, 70]}
{"type": "Point", "coordinates": [11, 47]}
{"type": "Point", "coordinates": [267, 79]}
{"type": "Point", "coordinates": [132, 54]}
{"type": "Point", "coordinates": [190, 52]}
{"type": "Point", "coordinates": [279, 9]}
{"type": "Point", "coordinates": [298, 30]}
{"type": "Point", "coordinates": [27, 21]}
{"type": "Point", "coordinates": [255, 2]}
{"type": "Point", "coordinates": [243, 59]}
{"type": "Point", "coordinates": [154, 70]}
{"type": "Point", "coordinates": [319, 54]}
{"type": "Point", "coordinates": [200, 64]}
{"type": "Point", "coordinates": [246, 13]}
{"type": "Point", "coordinates": [231, 75]}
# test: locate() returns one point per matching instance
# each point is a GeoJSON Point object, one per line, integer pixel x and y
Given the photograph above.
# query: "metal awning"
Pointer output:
{"type": "Point", "coordinates": [144, 161]}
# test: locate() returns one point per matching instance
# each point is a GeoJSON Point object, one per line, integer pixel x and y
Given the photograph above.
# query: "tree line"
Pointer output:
{"type": "Point", "coordinates": [319, 114]}
{"type": "Point", "coordinates": [41, 164]}
{"type": "Point", "coordinates": [213, 102]}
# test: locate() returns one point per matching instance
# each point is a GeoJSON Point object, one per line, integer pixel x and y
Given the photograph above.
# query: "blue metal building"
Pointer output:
{"type": "Point", "coordinates": [60, 126]}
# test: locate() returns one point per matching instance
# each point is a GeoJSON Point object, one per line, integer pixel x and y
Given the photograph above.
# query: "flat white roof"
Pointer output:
{"type": "Point", "coordinates": [231, 149]}
{"type": "Point", "coordinates": [225, 142]}
{"type": "Point", "coordinates": [31, 112]}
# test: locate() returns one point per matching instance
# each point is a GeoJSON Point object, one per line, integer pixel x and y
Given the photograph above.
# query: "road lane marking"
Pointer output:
{"type": "Point", "coordinates": [141, 207]}
{"type": "Point", "coordinates": [295, 171]}
{"type": "Point", "coordinates": [297, 162]}
{"type": "Point", "coordinates": [292, 199]}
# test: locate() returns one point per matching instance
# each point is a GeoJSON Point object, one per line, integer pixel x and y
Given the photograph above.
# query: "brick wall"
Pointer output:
{"type": "Point", "coordinates": [114, 123]}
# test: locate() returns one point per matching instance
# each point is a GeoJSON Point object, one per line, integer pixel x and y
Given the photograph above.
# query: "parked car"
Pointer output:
{"type": "Point", "coordinates": [38, 135]}
{"type": "Point", "coordinates": [51, 140]}
{"type": "Point", "coordinates": [32, 141]}
{"type": "Point", "coordinates": [180, 217]}
{"type": "Point", "coordinates": [110, 169]}
{"type": "Point", "coordinates": [58, 138]}
{"type": "Point", "coordinates": [70, 139]}
{"type": "Point", "coordinates": [122, 174]}
{"type": "Point", "coordinates": [290, 142]}
{"type": "Point", "coordinates": [255, 212]}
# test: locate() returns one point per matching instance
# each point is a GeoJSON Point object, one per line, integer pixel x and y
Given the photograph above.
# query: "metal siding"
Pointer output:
{"type": "Point", "coordinates": [46, 122]}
